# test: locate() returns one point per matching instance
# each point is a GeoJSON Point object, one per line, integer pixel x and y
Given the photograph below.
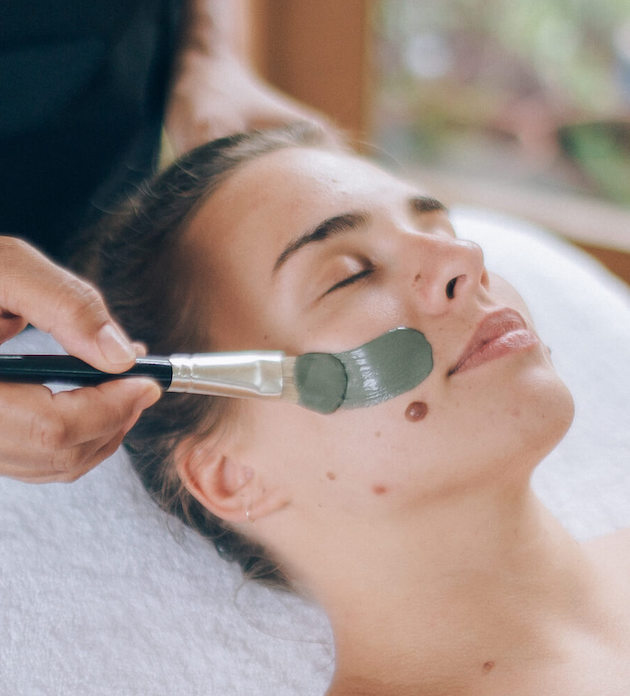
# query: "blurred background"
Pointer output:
{"type": "Point", "coordinates": [536, 92]}
{"type": "Point", "coordinates": [521, 105]}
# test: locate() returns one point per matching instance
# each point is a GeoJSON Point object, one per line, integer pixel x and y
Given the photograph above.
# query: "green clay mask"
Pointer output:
{"type": "Point", "coordinates": [381, 369]}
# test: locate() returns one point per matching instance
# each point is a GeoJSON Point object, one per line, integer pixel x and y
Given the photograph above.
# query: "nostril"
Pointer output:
{"type": "Point", "coordinates": [450, 287]}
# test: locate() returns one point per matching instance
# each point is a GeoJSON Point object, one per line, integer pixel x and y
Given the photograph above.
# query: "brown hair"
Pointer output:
{"type": "Point", "coordinates": [132, 257]}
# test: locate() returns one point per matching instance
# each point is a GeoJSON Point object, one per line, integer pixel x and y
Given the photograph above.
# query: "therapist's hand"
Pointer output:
{"type": "Point", "coordinates": [214, 92]}
{"type": "Point", "coordinates": [213, 98]}
{"type": "Point", "coordinates": [59, 437]}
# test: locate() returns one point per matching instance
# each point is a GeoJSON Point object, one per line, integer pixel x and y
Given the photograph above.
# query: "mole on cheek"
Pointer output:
{"type": "Point", "coordinates": [331, 475]}
{"type": "Point", "coordinates": [379, 489]}
{"type": "Point", "coordinates": [416, 411]}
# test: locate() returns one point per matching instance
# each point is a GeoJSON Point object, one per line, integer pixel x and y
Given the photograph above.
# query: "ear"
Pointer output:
{"type": "Point", "coordinates": [225, 484]}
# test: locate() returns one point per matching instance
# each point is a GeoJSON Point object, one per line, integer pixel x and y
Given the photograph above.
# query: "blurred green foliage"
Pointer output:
{"type": "Point", "coordinates": [539, 88]}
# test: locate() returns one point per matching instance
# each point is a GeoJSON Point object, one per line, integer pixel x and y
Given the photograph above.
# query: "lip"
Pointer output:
{"type": "Point", "coordinates": [499, 333]}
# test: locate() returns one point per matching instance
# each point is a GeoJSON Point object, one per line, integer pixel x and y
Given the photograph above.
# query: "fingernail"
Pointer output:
{"type": "Point", "coordinates": [114, 345]}
{"type": "Point", "coordinates": [148, 397]}
{"type": "Point", "coordinates": [140, 349]}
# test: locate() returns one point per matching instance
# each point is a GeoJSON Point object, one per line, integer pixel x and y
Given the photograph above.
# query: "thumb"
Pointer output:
{"type": "Point", "coordinates": [56, 301]}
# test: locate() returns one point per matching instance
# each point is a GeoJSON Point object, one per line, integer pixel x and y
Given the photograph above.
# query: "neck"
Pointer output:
{"type": "Point", "coordinates": [469, 585]}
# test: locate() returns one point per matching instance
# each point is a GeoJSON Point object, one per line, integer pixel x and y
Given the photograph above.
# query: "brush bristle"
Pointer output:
{"type": "Point", "coordinates": [319, 381]}
{"type": "Point", "coordinates": [289, 387]}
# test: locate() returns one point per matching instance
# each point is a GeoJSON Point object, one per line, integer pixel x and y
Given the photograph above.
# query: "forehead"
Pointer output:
{"type": "Point", "coordinates": [296, 172]}
{"type": "Point", "coordinates": [282, 193]}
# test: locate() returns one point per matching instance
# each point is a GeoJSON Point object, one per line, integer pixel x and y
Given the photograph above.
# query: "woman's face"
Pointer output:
{"type": "Point", "coordinates": [306, 250]}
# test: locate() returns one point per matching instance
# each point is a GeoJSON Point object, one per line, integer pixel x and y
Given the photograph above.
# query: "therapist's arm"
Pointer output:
{"type": "Point", "coordinates": [213, 92]}
{"type": "Point", "coordinates": [59, 437]}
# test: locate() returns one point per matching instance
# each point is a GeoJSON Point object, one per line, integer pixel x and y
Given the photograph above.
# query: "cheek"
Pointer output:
{"type": "Point", "coordinates": [421, 445]}
{"type": "Point", "coordinates": [332, 462]}
{"type": "Point", "coordinates": [434, 442]}
{"type": "Point", "coordinates": [339, 324]}
{"type": "Point", "coordinates": [377, 452]}
{"type": "Point", "coordinates": [358, 457]}
{"type": "Point", "coordinates": [241, 319]}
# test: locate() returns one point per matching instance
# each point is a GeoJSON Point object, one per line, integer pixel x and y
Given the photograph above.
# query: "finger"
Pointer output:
{"type": "Point", "coordinates": [186, 134]}
{"type": "Point", "coordinates": [98, 456]}
{"type": "Point", "coordinates": [140, 349]}
{"type": "Point", "coordinates": [44, 426]}
{"type": "Point", "coordinates": [61, 464]}
{"type": "Point", "coordinates": [10, 325]}
{"type": "Point", "coordinates": [58, 302]}
{"type": "Point", "coordinates": [99, 411]}
{"type": "Point", "coordinates": [69, 465]}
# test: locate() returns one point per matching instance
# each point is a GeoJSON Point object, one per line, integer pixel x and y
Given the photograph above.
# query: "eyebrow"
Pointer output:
{"type": "Point", "coordinates": [325, 230]}
{"type": "Point", "coordinates": [346, 222]}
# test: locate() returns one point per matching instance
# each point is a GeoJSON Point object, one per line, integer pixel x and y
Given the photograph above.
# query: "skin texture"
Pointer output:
{"type": "Point", "coordinates": [439, 570]}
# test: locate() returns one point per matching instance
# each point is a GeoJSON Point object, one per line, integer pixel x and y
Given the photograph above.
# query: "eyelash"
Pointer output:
{"type": "Point", "coordinates": [349, 280]}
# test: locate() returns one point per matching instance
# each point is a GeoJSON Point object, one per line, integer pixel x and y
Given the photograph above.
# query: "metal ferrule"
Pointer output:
{"type": "Point", "coordinates": [228, 374]}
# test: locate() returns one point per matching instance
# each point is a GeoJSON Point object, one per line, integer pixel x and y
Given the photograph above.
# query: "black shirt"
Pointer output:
{"type": "Point", "coordinates": [82, 91]}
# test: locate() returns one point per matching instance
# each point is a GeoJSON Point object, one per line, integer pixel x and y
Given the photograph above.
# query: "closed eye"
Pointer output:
{"type": "Point", "coordinates": [349, 280]}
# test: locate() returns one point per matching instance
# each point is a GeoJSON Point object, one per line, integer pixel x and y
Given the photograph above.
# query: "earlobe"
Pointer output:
{"type": "Point", "coordinates": [265, 503]}
{"type": "Point", "coordinates": [223, 484]}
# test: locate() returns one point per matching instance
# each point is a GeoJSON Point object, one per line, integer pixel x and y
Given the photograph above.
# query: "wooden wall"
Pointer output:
{"type": "Point", "coordinates": [318, 52]}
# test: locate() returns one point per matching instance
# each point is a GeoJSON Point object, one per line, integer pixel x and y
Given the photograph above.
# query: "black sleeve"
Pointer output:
{"type": "Point", "coordinates": [82, 92]}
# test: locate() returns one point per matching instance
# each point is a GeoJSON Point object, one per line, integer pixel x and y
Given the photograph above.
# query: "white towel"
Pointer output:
{"type": "Point", "coordinates": [102, 594]}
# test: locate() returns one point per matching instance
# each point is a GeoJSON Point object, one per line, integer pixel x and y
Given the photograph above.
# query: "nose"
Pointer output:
{"type": "Point", "coordinates": [446, 272]}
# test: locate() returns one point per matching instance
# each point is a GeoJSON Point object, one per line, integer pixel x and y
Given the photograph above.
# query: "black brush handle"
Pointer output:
{"type": "Point", "coordinates": [38, 369]}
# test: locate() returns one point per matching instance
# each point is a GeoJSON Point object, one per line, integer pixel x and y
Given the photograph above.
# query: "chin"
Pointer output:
{"type": "Point", "coordinates": [545, 415]}
{"type": "Point", "coordinates": [527, 423]}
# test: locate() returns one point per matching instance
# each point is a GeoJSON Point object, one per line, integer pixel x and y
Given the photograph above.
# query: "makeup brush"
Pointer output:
{"type": "Point", "coordinates": [315, 380]}
{"type": "Point", "coordinates": [323, 382]}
